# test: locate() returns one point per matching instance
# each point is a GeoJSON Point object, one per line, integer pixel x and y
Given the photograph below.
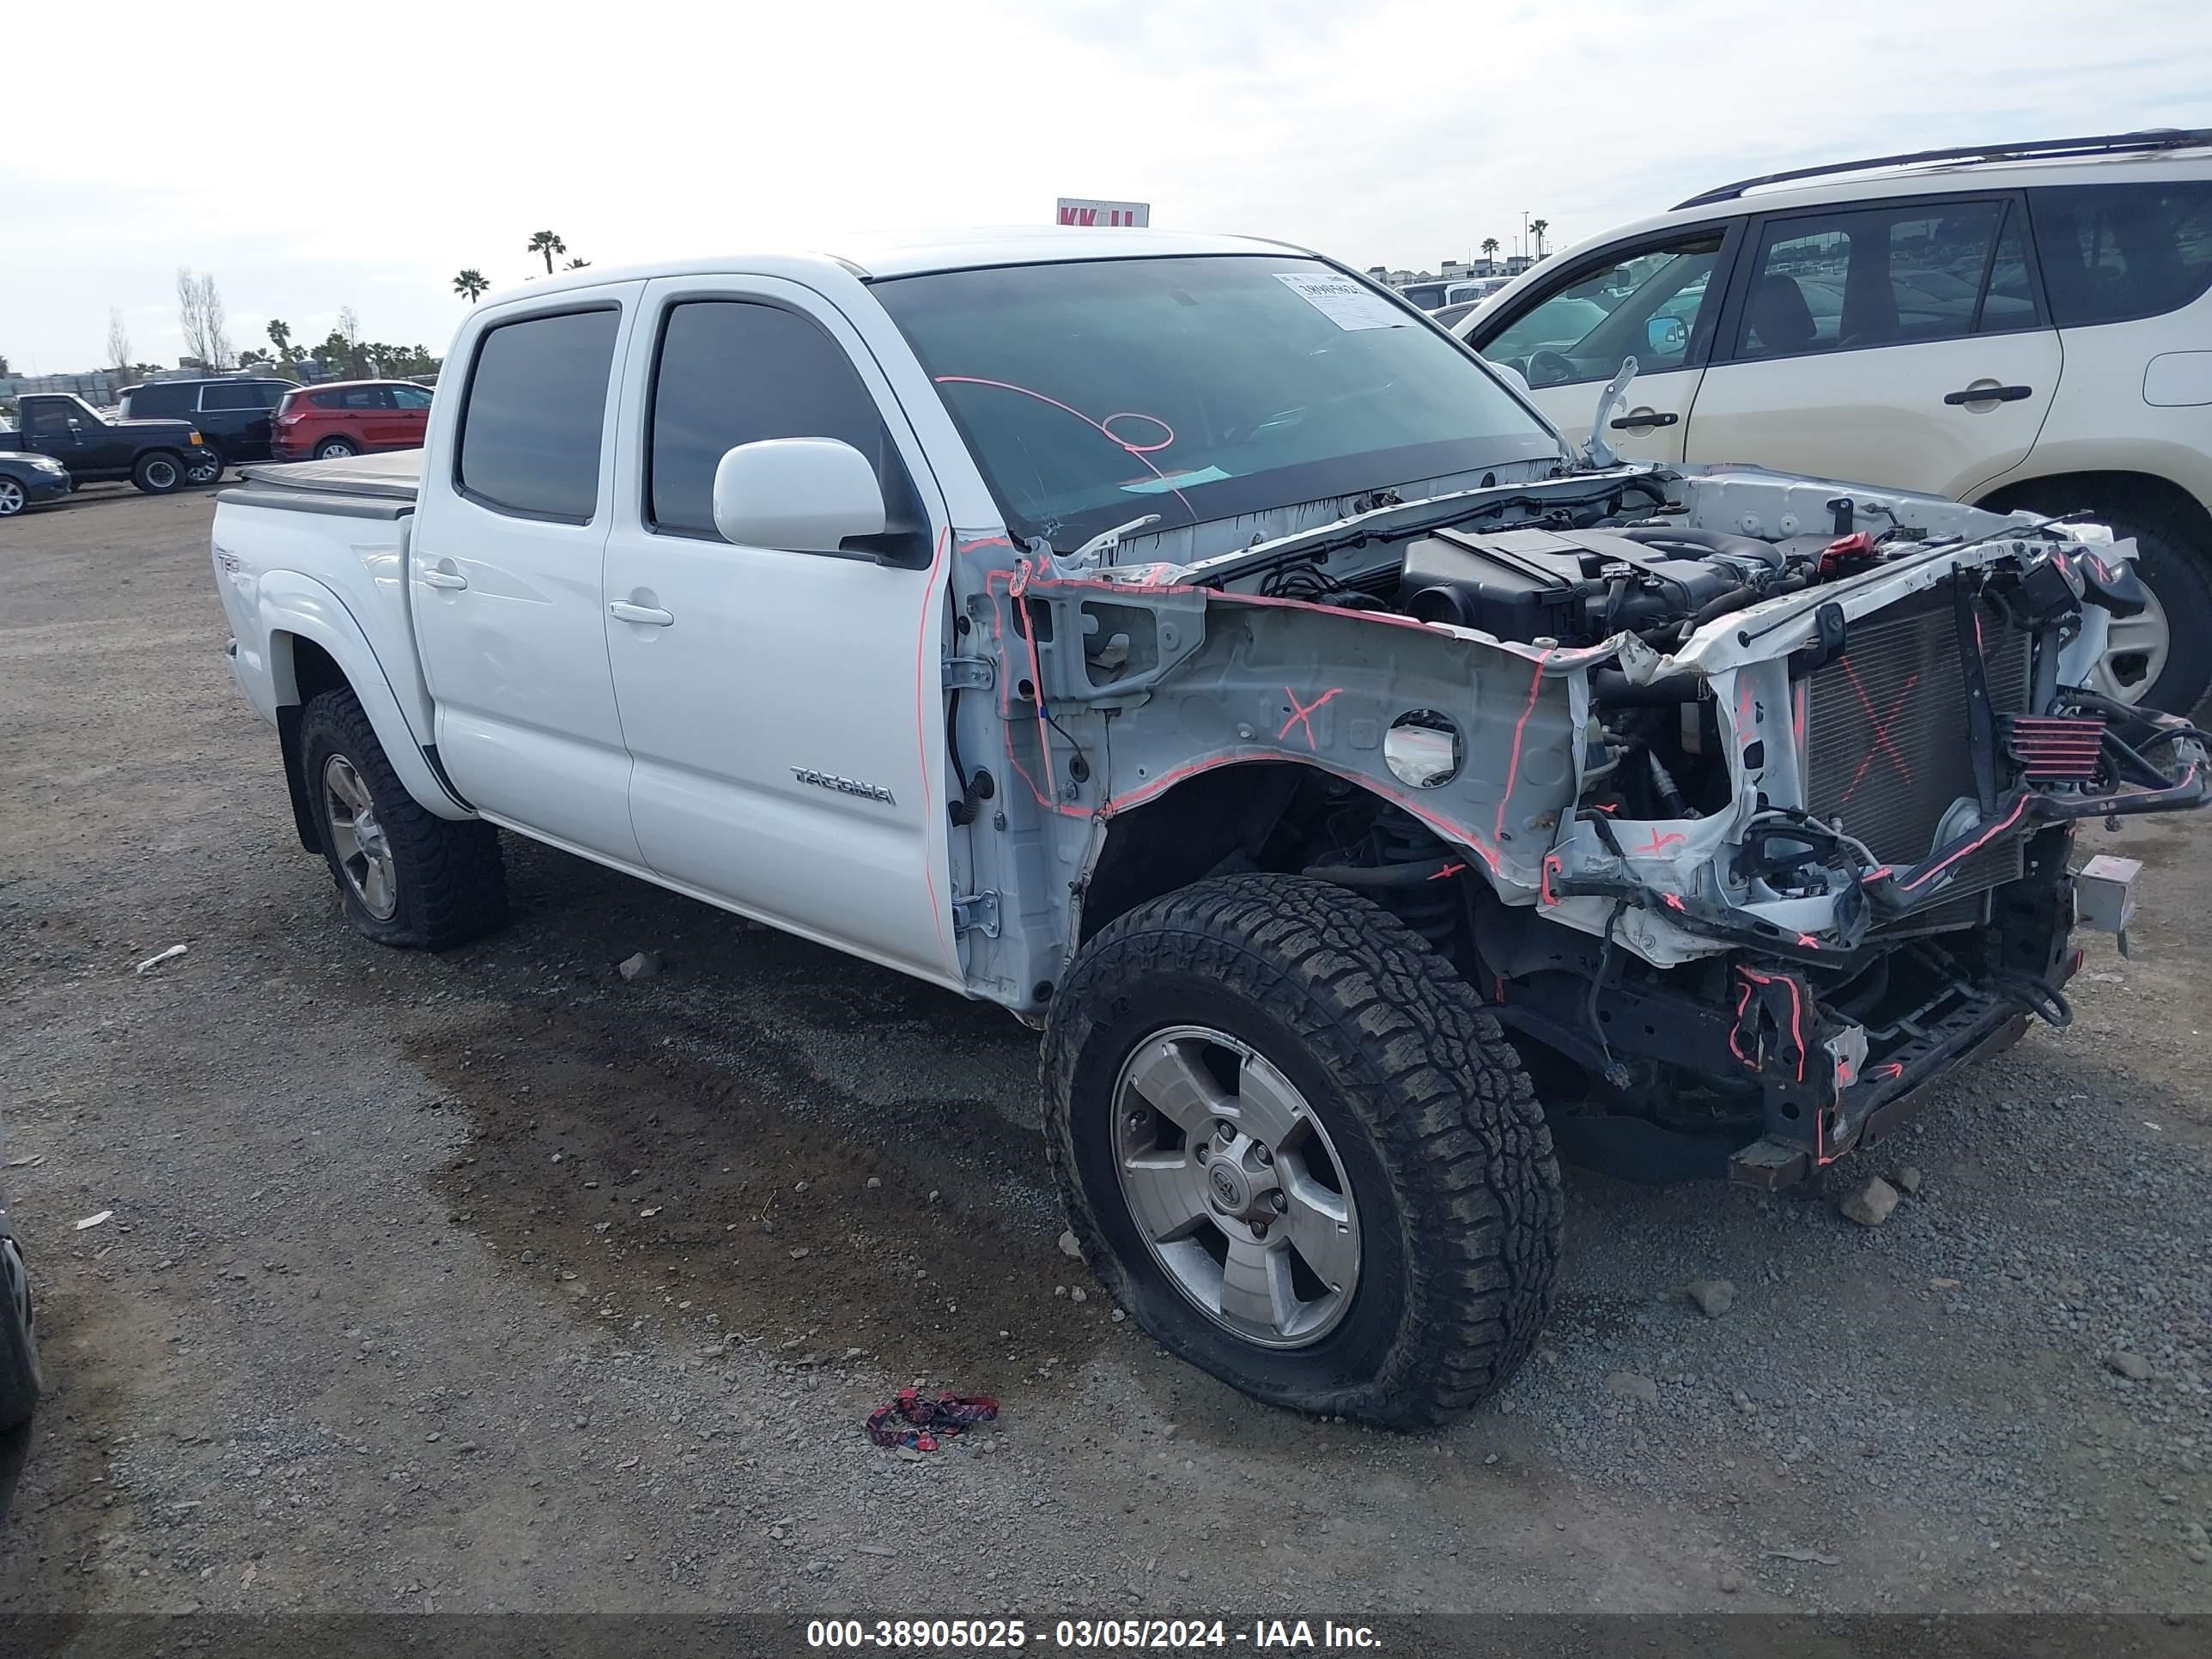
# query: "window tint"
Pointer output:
{"type": "Point", "coordinates": [536, 414]}
{"type": "Point", "coordinates": [2110, 252]}
{"type": "Point", "coordinates": [1879, 276]}
{"type": "Point", "coordinates": [410, 397]}
{"type": "Point", "coordinates": [238, 395]}
{"type": "Point", "coordinates": [157, 402]}
{"type": "Point", "coordinates": [1644, 307]}
{"type": "Point", "coordinates": [53, 420]}
{"type": "Point", "coordinates": [271, 393]}
{"type": "Point", "coordinates": [732, 373]}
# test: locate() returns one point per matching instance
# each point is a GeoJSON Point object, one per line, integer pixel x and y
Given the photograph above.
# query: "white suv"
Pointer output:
{"type": "Point", "coordinates": [2021, 326]}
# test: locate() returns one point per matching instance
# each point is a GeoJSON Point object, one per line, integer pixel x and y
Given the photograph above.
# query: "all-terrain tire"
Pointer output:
{"type": "Point", "coordinates": [450, 879]}
{"type": "Point", "coordinates": [20, 1383]}
{"type": "Point", "coordinates": [2181, 576]}
{"type": "Point", "coordinates": [1440, 1138]}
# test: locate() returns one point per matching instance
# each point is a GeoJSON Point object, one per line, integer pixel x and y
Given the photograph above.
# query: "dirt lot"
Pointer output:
{"type": "Point", "coordinates": [491, 1280]}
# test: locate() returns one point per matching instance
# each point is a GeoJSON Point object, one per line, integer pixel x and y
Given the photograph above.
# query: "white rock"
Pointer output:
{"type": "Point", "coordinates": [1869, 1204]}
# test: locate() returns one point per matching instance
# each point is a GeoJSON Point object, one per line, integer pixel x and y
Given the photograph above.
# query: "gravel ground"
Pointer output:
{"type": "Point", "coordinates": [492, 1280]}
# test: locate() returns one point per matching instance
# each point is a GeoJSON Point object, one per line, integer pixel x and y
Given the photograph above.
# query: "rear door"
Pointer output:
{"type": "Point", "coordinates": [235, 416]}
{"type": "Point", "coordinates": [782, 707]}
{"type": "Point", "coordinates": [1902, 344]}
{"type": "Point", "coordinates": [505, 576]}
{"type": "Point", "coordinates": [1656, 299]}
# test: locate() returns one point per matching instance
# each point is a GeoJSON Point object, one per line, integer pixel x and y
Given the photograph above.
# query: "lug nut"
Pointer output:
{"type": "Point", "coordinates": [1136, 1120]}
{"type": "Point", "coordinates": [1263, 1155]}
{"type": "Point", "coordinates": [1223, 1131]}
{"type": "Point", "coordinates": [1278, 1203]}
{"type": "Point", "coordinates": [1259, 1230]}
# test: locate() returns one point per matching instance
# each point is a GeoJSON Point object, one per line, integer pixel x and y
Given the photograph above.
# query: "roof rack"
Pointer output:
{"type": "Point", "coordinates": [2116, 144]}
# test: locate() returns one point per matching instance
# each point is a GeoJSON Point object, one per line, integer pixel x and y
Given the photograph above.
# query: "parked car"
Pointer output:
{"type": "Point", "coordinates": [29, 480]}
{"type": "Point", "coordinates": [232, 413]}
{"type": "Point", "coordinates": [157, 455]}
{"type": "Point", "coordinates": [1367, 751]}
{"type": "Point", "coordinates": [1434, 296]}
{"type": "Point", "coordinates": [20, 1383]}
{"type": "Point", "coordinates": [350, 417]}
{"type": "Point", "coordinates": [2017, 326]}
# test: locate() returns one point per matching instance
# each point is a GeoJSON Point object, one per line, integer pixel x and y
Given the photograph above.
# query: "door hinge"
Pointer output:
{"type": "Point", "coordinates": [976, 912]}
{"type": "Point", "coordinates": [969, 674]}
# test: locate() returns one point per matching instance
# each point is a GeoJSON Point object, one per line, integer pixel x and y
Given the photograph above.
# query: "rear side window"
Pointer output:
{"type": "Point", "coordinates": [1882, 277]}
{"type": "Point", "coordinates": [157, 402]}
{"type": "Point", "coordinates": [535, 415]}
{"type": "Point", "coordinates": [732, 371]}
{"type": "Point", "coordinates": [232, 397]}
{"type": "Point", "coordinates": [2114, 253]}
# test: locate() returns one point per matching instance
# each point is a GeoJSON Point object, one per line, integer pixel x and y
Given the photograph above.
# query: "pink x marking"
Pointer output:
{"type": "Point", "coordinates": [1302, 713]}
{"type": "Point", "coordinates": [1881, 723]}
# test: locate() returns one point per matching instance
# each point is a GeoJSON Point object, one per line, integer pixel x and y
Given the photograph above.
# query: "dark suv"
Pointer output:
{"type": "Point", "coordinates": [233, 415]}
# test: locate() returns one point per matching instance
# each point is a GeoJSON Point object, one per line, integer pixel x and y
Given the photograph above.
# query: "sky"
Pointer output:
{"type": "Point", "coordinates": [314, 158]}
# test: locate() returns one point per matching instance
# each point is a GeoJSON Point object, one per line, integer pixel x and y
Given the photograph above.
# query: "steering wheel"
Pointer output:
{"type": "Point", "coordinates": [1549, 368]}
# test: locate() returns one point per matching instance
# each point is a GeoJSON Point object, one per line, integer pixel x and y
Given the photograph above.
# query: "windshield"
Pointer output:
{"type": "Point", "coordinates": [1093, 393]}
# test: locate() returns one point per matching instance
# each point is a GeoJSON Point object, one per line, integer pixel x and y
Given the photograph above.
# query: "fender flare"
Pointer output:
{"type": "Point", "coordinates": [291, 604]}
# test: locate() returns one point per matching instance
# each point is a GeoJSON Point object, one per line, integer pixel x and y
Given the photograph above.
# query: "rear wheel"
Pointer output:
{"type": "Point", "coordinates": [205, 465]}
{"type": "Point", "coordinates": [158, 474]}
{"type": "Point", "coordinates": [406, 877]}
{"type": "Point", "coordinates": [20, 1383]}
{"type": "Point", "coordinates": [333, 449]}
{"type": "Point", "coordinates": [1298, 1153]}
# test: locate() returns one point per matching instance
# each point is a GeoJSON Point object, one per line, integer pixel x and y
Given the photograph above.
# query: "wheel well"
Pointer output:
{"type": "Point", "coordinates": [2143, 494]}
{"type": "Point", "coordinates": [1276, 817]}
{"type": "Point", "coordinates": [314, 671]}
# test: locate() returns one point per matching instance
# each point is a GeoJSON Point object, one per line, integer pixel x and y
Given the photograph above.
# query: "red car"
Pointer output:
{"type": "Point", "coordinates": [350, 418]}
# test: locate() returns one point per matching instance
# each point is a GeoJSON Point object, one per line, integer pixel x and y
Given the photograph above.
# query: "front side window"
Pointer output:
{"type": "Point", "coordinates": [55, 421]}
{"type": "Point", "coordinates": [535, 415]}
{"type": "Point", "coordinates": [410, 396]}
{"type": "Point", "coordinates": [1881, 277]}
{"type": "Point", "coordinates": [2114, 253]}
{"type": "Point", "coordinates": [735, 372]}
{"type": "Point", "coordinates": [1644, 307]}
{"type": "Point", "coordinates": [1099, 390]}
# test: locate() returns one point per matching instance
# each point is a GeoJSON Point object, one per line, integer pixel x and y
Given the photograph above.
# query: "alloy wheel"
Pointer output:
{"type": "Point", "coordinates": [364, 852]}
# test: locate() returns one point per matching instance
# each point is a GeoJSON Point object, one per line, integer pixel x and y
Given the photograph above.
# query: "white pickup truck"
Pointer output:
{"type": "Point", "coordinates": [1190, 647]}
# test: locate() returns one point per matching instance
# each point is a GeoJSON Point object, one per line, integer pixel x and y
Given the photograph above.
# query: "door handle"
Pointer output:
{"type": "Point", "coordinates": [640, 613]}
{"type": "Point", "coordinates": [1990, 394]}
{"type": "Point", "coordinates": [449, 579]}
{"type": "Point", "coordinates": [1650, 418]}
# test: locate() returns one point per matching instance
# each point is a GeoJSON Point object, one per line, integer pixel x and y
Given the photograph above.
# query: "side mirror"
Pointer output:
{"type": "Point", "coordinates": [1513, 376]}
{"type": "Point", "coordinates": [1667, 334]}
{"type": "Point", "coordinates": [804, 495]}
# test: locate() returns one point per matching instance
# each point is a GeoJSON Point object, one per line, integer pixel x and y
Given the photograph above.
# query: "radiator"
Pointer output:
{"type": "Point", "coordinates": [1886, 754]}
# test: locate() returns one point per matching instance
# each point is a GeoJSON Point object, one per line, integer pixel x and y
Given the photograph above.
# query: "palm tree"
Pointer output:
{"type": "Point", "coordinates": [548, 243]}
{"type": "Point", "coordinates": [280, 334]}
{"type": "Point", "coordinates": [471, 283]}
{"type": "Point", "coordinates": [576, 265]}
{"type": "Point", "coordinates": [1536, 229]}
{"type": "Point", "coordinates": [1490, 250]}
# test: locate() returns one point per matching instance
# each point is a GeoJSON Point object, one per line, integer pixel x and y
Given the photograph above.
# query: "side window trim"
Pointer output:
{"type": "Point", "coordinates": [665, 306]}
{"type": "Point", "coordinates": [606, 418]}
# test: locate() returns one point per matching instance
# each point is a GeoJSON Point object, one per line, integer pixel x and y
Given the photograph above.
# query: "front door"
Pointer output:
{"type": "Point", "coordinates": [504, 571]}
{"type": "Point", "coordinates": [784, 710]}
{"type": "Point", "coordinates": [1653, 299]}
{"type": "Point", "coordinates": [71, 434]}
{"type": "Point", "coordinates": [1899, 344]}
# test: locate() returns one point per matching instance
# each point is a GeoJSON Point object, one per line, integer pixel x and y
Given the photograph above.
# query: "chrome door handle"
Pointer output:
{"type": "Point", "coordinates": [639, 613]}
{"type": "Point", "coordinates": [449, 579]}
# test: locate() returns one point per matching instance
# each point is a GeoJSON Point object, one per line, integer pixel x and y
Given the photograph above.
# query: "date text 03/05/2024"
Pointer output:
{"type": "Point", "coordinates": [1091, 1635]}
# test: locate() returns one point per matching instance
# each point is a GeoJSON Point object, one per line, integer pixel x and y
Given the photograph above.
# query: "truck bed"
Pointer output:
{"type": "Point", "coordinates": [382, 485]}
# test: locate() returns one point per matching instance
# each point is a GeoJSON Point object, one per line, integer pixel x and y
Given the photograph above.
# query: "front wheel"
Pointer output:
{"type": "Point", "coordinates": [157, 475]}
{"type": "Point", "coordinates": [1296, 1149]}
{"type": "Point", "coordinates": [2163, 657]}
{"type": "Point", "coordinates": [405, 877]}
{"type": "Point", "coordinates": [13, 498]}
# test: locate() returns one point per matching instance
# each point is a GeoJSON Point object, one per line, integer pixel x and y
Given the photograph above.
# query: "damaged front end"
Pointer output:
{"type": "Point", "coordinates": [1749, 797]}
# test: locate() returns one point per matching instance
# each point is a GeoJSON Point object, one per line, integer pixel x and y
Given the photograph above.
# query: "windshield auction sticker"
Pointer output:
{"type": "Point", "coordinates": [1343, 301]}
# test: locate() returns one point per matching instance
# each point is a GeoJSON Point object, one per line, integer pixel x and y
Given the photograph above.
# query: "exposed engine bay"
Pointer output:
{"type": "Point", "coordinates": [1748, 796]}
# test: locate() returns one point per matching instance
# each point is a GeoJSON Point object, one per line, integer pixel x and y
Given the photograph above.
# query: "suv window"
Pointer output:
{"type": "Point", "coordinates": [1645, 307]}
{"type": "Point", "coordinates": [157, 402]}
{"type": "Point", "coordinates": [2114, 253]}
{"type": "Point", "coordinates": [1902, 275]}
{"type": "Point", "coordinates": [733, 371]}
{"type": "Point", "coordinates": [353, 396]}
{"type": "Point", "coordinates": [410, 397]}
{"type": "Point", "coordinates": [535, 413]}
{"type": "Point", "coordinates": [239, 395]}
